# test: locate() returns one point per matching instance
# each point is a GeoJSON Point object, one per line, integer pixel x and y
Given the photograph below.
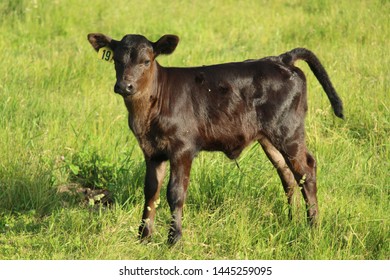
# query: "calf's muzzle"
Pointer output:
{"type": "Point", "coordinates": [124, 88]}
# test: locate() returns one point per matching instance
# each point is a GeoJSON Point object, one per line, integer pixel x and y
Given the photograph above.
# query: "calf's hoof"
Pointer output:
{"type": "Point", "coordinates": [312, 218]}
{"type": "Point", "coordinates": [173, 237]}
{"type": "Point", "coordinates": [144, 232]}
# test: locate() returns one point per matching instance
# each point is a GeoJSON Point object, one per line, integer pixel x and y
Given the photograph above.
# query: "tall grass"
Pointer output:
{"type": "Point", "coordinates": [58, 115]}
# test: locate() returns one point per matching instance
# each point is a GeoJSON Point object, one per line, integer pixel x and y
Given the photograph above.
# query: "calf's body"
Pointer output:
{"type": "Point", "coordinates": [177, 112]}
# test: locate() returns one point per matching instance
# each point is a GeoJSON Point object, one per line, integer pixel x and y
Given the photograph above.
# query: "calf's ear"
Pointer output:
{"type": "Point", "coordinates": [99, 40]}
{"type": "Point", "coordinates": [165, 45]}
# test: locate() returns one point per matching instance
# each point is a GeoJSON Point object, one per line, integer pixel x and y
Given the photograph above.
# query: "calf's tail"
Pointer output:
{"type": "Point", "coordinates": [320, 73]}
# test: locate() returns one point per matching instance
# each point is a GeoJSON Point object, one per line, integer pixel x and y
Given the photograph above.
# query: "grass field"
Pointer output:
{"type": "Point", "coordinates": [61, 125]}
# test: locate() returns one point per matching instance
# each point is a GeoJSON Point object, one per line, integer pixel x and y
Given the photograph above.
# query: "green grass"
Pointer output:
{"type": "Point", "coordinates": [61, 124]}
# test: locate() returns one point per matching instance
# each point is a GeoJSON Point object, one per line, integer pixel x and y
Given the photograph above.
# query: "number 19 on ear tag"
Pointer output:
{"type": "Point", "coordinates": [106, 54]}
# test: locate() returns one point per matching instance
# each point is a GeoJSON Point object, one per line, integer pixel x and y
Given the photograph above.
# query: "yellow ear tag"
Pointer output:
{"type": "Point", "coordinates": [106, 54]}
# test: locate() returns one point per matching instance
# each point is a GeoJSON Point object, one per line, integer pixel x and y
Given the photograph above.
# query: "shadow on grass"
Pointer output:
{"type": "Point", "coordinates": [91, 179]}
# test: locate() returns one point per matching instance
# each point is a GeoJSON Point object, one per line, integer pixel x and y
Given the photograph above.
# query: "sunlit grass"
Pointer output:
{"type": "Point", "coordinates": [57, 105]}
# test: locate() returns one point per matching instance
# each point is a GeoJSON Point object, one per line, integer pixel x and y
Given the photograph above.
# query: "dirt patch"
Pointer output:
{"type": "Point", "coordinates": [85, 195]}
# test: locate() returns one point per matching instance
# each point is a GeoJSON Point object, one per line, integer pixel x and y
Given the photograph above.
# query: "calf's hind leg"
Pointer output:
{"type": "Point", "coordinates": [303, 165]}
{"type": "Point", "coordinates": [285, 174]}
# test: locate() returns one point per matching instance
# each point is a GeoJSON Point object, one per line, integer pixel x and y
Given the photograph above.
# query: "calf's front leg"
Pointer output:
{"type": "Point", "coordinates": [176, 194]}
{"type": "Point", "coordinates": [155, 172]}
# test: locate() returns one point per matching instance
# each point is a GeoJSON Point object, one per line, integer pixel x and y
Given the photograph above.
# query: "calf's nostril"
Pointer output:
{"type": "Point", "coordinates": [129, 88]}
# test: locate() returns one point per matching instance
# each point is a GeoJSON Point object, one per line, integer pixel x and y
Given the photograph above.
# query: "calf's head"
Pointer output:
{"type": "Point", "coordinates": [134, 58]}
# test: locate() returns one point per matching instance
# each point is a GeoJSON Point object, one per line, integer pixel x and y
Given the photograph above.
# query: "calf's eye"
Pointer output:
{"type": "Point", "coordinates": [147, 62]}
